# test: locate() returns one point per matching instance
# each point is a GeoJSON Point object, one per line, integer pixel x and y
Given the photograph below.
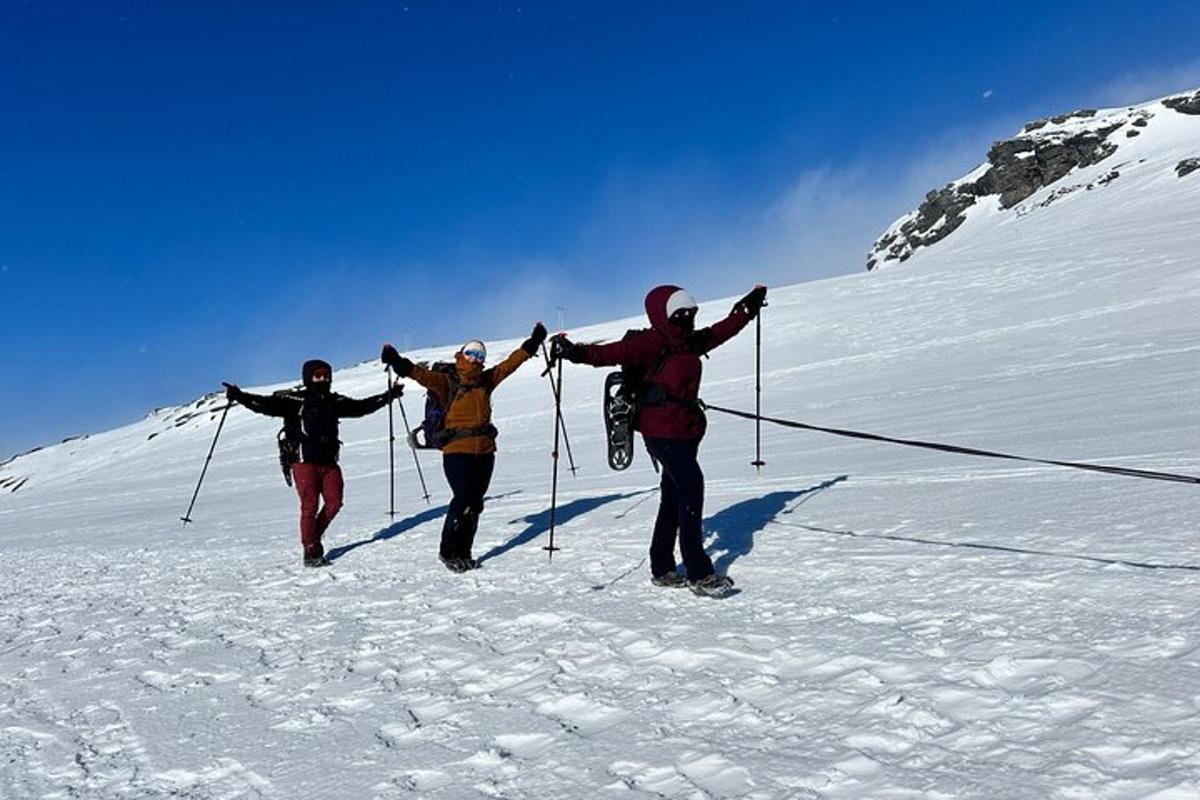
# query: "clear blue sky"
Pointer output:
{"type": "Point", "coordinates": [192, 192]}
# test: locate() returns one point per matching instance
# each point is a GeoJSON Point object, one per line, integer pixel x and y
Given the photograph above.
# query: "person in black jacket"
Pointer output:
{"type": "Point", "coordinates": [311, 426]}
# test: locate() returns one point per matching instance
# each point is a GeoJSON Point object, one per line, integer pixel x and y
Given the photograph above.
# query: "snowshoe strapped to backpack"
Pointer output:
{"type": "Point", "coordinates": [625, 393]}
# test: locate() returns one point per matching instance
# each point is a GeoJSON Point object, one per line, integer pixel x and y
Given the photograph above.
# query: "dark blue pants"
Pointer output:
{"type": "Point", "coordinates": [680, 509]}
{"type": "Point", "coordinates": [469, 477]}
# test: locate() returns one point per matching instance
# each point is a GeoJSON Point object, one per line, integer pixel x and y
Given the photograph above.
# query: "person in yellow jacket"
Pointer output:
{"type": "Point", "coordinates": [468, 441]}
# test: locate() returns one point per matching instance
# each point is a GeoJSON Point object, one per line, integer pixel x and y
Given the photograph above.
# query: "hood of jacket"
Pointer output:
{"type": "Point", "coordinates": [656, 311]}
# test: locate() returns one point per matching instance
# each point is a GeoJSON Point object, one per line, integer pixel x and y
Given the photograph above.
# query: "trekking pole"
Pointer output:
{"type": "Point", "coordinates": [554, 387]}
{"type": "Point", "coordinates": [417, 461]}
{"type": "Point", "coordinates": [554, 454]}
{"type": "Point", "coordinates": [391, 448]}
{"type": "Point", "coordinates": [187, 517]}
{"type": "Point", "coordinates": [758, 462]}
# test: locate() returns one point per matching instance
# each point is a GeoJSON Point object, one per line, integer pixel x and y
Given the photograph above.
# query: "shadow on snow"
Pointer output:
{"type": "Point", "coordinates": [539, 523]}
{"type": "Point", "coordinates": [391, 531]}
{"type": "Point", "coordinates": [732, 529]}
{"type": "Point", "coordinates": [406, 524]}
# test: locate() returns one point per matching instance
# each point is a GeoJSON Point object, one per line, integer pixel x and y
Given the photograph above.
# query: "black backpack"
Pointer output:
{"type": "Point", "coordinates": [289, 436]}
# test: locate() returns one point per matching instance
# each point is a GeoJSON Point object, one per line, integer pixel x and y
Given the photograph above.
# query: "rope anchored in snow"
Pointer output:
{"type": "Point", "coordinates": [1127, 472]}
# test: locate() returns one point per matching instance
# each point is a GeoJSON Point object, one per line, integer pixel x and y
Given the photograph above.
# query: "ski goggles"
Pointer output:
{"type": "Point", "coordinates": [475, 354]}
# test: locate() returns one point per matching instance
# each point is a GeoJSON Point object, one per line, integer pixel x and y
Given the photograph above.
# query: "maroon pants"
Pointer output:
{"type": "Point", "coordinates": [314, 482]}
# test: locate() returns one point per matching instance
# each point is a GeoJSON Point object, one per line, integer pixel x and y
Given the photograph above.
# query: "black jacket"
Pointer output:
{"type": "Point", "coordinates": [311, 418]}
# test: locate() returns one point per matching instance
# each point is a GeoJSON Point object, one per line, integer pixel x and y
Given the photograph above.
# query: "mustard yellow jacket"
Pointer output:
{"type": "Point", "coordinates": [471, 406]}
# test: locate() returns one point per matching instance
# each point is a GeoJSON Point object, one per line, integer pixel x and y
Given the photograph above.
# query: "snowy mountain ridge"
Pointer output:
{"type": "Point", "coordinates": [910, 624]}
{"type": "Point", "coordinates": [1086, 150]}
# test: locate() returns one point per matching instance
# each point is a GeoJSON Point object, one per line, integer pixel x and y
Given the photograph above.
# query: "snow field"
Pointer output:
{"type": "Point", "coordinates": [910, 624]}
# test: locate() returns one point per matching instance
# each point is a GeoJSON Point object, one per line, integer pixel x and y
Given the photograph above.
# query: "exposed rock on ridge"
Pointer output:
{"type": "Point", "coordinates": [1045, 152]}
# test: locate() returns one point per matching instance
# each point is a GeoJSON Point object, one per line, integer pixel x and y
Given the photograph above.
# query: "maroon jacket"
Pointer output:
{"type": "Point", "coordinates": [681, 368]}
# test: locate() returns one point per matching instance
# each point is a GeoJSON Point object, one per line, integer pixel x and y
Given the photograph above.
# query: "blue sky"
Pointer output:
{"type": "Point", "coordinates": [192, 192]}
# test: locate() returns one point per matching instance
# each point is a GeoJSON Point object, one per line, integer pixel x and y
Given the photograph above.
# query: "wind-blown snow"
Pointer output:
{"type": "Point", "coordinates": [911, 624]}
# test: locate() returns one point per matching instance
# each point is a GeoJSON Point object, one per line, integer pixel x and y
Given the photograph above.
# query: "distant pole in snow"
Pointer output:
{"type": "Point", "coordinates": [391, 448]}
{"type": "Point", "coordinates": [758, 462]}
{"type": "Point", "coordinates": [554, 481]}
{"type": "Point", "coordinates": [187, 517]}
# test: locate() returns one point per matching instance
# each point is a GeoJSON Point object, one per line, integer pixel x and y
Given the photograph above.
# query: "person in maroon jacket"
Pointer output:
{"type": "Point", "coordinates": [667, 358]}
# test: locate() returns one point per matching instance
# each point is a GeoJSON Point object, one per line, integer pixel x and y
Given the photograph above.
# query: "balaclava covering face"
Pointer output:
{"type": "Point", "coordinates": [313, 367]}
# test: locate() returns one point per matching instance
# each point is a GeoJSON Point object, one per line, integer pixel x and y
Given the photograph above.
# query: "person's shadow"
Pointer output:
{"type": "Point", "coordinates": [390, 532]}
{"type": "Point", "coordinates": [733, 528]}
{"type": "Point", "coordinates": [539, 523]}
{"type": "Point", "coordinates": [406, 524]}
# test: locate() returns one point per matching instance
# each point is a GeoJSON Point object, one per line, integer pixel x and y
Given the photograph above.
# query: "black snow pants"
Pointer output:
{"type": "Point", "coordinates": [680, 509]}
{"type": "Point", "coordinates": [469, 477]}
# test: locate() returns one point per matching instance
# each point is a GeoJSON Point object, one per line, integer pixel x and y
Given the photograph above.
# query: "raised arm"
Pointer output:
{"type": "Point", "coordinates": [516, 358]}
{"type": "Point", "coordinates": [353, 407]}
{"type": "Point", "coordinates": [640, 349]}
{"type": "Point", "coordinates": [270, 405]}
{"type": "Point", "coordinates": [743, 311]}
{"type": "Point", "coordinates": [436, 382]}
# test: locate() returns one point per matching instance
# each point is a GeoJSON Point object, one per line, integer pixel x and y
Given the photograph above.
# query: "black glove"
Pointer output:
{"type": "Point", "coordinates": [399, 364]}
{"type": "Point", "coordinates": [752, 302]}
{"type": "Point", "coordinates": [535, 339]}
{"type": "Point", "coordinates": [395, 390]}
{"type": "Point", "coordinates": [563, 348]}
{"type": "Point", "coordinates": [232, 392]}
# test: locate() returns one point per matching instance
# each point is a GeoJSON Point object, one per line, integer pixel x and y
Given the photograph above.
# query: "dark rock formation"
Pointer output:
{"type": "Point", "coordinates": [1019, 167]}
{"type": "Point", "coordinates": [1184, 103]}
{"type": "Point", "coordinates": [1083, 113]}
{"type": "Point", "coordinates": [1045, 152]}
{"type": "Point", "coordinates": [942, 212]}
{"type": "Point", "coordinates": [1187, 166]}
{"type": "Point", "coordinates": [1023, 165]}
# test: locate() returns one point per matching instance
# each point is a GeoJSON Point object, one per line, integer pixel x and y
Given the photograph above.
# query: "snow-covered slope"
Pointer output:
{"type": "Point", "coordinates": [1071, 167]}
{"type": "Point", "coordinates": [911, 624]}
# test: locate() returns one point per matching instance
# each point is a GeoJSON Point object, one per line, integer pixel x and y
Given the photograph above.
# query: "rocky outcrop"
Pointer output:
{"type": "Point", "coordinates": [1017, 168]}
{"type": "Point", "coordinates": [1042, 154]}
{"type": "Point", "coordinates": [1025, 164]}
{"type": "Point", "coordinates": [1187, 166]}
{"type": "Point", "coordinates": [943, 211]}
{"type": "Point", "coordinates": [1184, 103]}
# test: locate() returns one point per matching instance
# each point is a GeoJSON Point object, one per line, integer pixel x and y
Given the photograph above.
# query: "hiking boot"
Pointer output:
{"type": "Point", "coordinates": [713, 585]}
{"type": "Point", "coordinates": [671, 580]}
{"type": "Point", "coordinates": [456, 563]}
{"type": "Point", "coordinates": [316, 561]}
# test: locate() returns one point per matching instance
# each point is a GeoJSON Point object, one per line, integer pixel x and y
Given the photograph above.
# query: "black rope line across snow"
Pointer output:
{"type": "Point", "coordinates": [1127, 472]}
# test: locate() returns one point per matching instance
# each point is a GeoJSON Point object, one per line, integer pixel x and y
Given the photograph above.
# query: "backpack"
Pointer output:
{"type": "Point", "coordinates": [289, 437]}
{"type": "Point", "coordinates": [428, 434]}
{"type": "Point", "coordinates": [636, 389]}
